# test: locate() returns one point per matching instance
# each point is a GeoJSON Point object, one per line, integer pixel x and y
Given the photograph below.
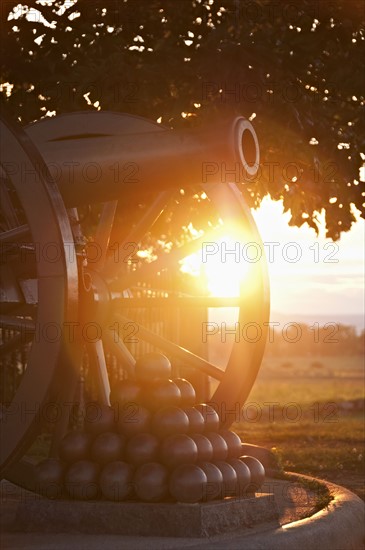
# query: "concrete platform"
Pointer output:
{"type": "Point", "coordinates": [145, 519]}
{"type": "Point", "coordinates": [340, 526]}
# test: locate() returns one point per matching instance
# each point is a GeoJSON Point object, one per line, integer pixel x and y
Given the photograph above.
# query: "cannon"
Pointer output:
{"type": "Point", "coordinates": [78, 191]}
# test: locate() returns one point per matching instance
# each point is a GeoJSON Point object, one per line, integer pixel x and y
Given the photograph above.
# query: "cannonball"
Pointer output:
{"type": "Point", "coordinates": [187, 391]}
{"type": "Point", "coordinates": [133, 420]}
{"type": "Point", "coordinates": [168, 421]}
{"type": "Point", "coordinates": [151, 366]}
{"type": "Point", "coordinates": [229, 478]}
{"type": "Point", "coordinates": [214, 487]}
{"type": "Point", "coordinates": [196, 420]}
{"type": "Point", "coordinates": [161, 393]}
{"type": "Point", "coordinates": [99, 418]}
{"type": "Point", "coordinates": [107, 447]}
{"type": "Point", "coordinates": [49, 478]}
{"type": "Point", "coordinates": [257, 472]}
{"type": "Point", "coordinates": [243, 475]}
{"type": "Point", "coordinates": [178, 449]}
{"type": "Point", "coordinates": [210, 415]}
{"type": "Point", "coordinates": [125, 391]}
{"type": "Point", "coordinates": [81, 480]}
{"type": "Point", "coordinates": [188, 483]}
{"type": "Point", "coordinates": [234, 443]}
{"type": "Point", "coordinates": [204, 446]}
{"type": "Point", "coordinates": [74, 446]}
{"type": "Point", "coordinates": [116, 480]}
{"type": "Point", "coordinates": [142, 448]}
{"type": "Point", "coordinates": [220, 448]}
{"type": "Point", "coordinates": [151, 482]}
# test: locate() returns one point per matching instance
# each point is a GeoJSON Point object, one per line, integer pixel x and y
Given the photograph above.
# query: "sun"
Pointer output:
{"type": "Point", "coordinates": [220, 266]}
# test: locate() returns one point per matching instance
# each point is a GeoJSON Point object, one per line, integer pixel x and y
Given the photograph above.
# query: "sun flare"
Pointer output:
{"type": "Point", "coordinates": [219, 266]}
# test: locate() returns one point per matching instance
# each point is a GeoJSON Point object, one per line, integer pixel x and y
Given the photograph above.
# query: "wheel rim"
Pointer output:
{"type": "Point", "coordinates": [245, 360]}
{"type": "Point", "coordinates": [57, 283]}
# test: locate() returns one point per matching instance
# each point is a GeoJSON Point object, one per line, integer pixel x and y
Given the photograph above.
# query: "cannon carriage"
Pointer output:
{"type": "Point", "coordinates": [63, 271]}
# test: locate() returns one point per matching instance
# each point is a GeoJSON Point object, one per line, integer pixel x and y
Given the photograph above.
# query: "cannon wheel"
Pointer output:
{"type": "Point", "coordinates": [31, 202]}
{"type": "Point", "coordinates": [236, 380]}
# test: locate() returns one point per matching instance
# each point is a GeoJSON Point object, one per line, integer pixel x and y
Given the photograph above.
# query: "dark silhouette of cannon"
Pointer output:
{"type": "Point", "coordinates": [59, 267]}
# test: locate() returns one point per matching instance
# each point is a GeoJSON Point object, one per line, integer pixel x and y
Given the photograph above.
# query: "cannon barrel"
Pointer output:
{"type": "Point", "coordinates": [139, 156]}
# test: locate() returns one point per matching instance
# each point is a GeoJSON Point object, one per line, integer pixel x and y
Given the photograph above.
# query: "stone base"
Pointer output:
{"type": "Point", "coordinates": [145, 519]}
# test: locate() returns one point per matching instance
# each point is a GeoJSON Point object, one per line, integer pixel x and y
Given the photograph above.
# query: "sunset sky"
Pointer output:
{"type": "Point", "coordinates": [312, 278]}
{"type": "Point", "coordinates": [327, 279]}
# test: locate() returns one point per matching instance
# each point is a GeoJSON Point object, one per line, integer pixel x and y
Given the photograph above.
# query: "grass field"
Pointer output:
{"type": "Point", "coordinates": [311, 413]}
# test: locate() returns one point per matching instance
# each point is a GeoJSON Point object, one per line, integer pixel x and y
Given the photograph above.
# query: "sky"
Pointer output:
{"type": "Point", "coordinates": [312, 279]}
{"type": "Point", "coordinates": [327, 278]}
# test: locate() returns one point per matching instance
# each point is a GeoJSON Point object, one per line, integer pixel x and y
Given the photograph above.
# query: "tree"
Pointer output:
{"type": "Point", "coordinates": [295, 69]}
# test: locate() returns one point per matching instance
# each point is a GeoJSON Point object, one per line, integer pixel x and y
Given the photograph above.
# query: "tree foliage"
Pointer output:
{"type": "Point", "coordinates": [294, 68]}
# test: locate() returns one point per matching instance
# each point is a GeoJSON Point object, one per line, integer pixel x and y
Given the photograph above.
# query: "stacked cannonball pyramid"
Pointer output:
{"type": "Point", "coordinates": [154, 444]}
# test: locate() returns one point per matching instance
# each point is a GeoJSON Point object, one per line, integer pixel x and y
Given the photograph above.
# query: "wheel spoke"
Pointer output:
{"type": "Point", "coordinates": [97, 358]}
{"type": "Point", "coordinates": [149, 217]}
{"type": "Point", "coordinates": [103, 232]}
{"type": "Point", "coordinates": [121, 351]}
{"type": "Point", "coordinates": [15, 234]}
{"type": "Point", "coordinates": [167, 261]}
{"type": "Point", "coordinates": [7, 206]}
{"type": "Point", "coordinates": [191, 359]}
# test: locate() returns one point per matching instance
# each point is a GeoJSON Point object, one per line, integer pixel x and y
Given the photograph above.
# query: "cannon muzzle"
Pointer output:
{"type": "Point", "coordinates": [95, 157]}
